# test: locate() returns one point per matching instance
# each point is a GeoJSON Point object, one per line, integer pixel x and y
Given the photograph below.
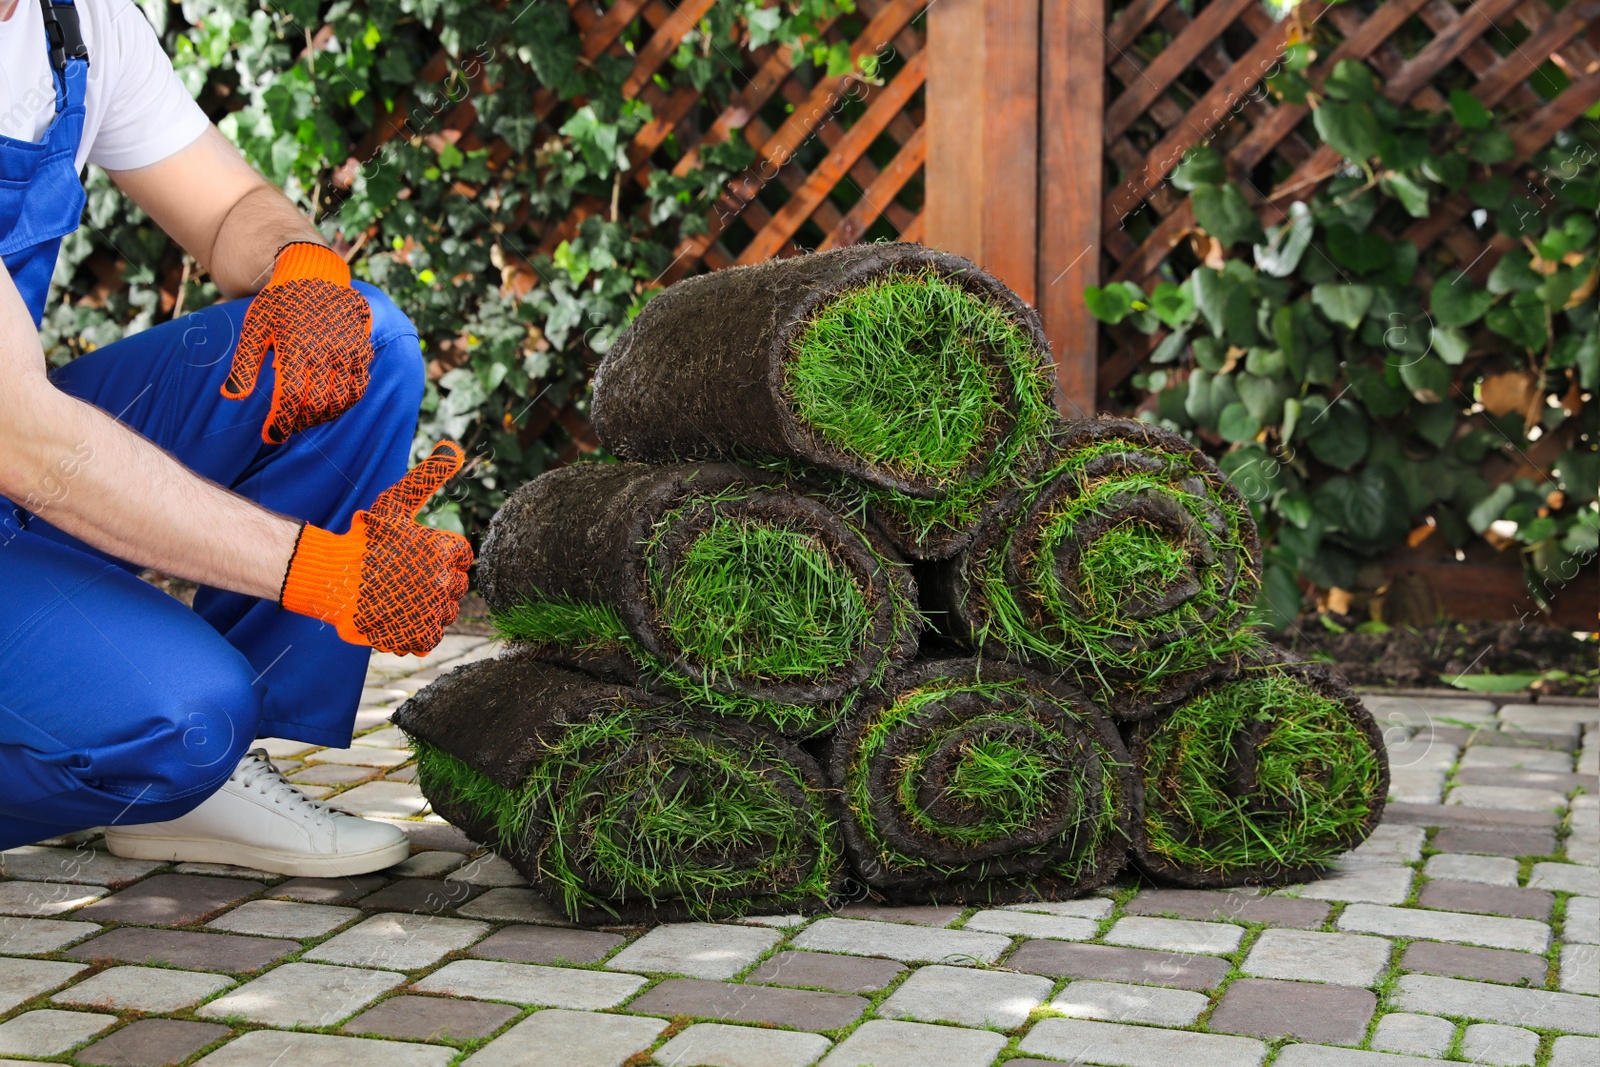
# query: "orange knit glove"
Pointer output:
{"type": "Point", "coordinates": [390, 582]}
{"type": "Point", "coordinates": [320, 331]}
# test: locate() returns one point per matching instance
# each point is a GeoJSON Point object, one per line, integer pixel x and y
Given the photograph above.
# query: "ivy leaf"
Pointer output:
{"type": "Point", "coordinates": [1455, 301]}
{"type": "Point", "coordinates": [1200, 165]}
{"type": "Point", "coordinates": [1340, 436]}
{"type": "Point", "coordinates": [1171, 347]}
{"type": "Point", "coordinates": [1449, 170]}
{"type": "Point", "coordinates": [1278, 602]}
{"type": "Point", "coordinates": [1520, 320]}
{"type": "Point", "coordinates": [1450, 344]}
{"type": "Point", "coordinates": [1351, 129]}
{"type": "Point", "coordinates": [1412, 194]}
{"type": "Point", "coordinates": [1208, 395]}
{"type": "Point", "coordinates": [1235, 423]}
{"type": "Point", "coordinates": [1224, 213]}
{"type": "Point", "coordinates": [1173, 305]}
{"type": "Point", "coordinates": [1286, 244]}
{"type": "Point", "coordinates": [1342, 303]}
{"type": "Point", "coordinates": [1110, 305]}
{"type": "Point", "coordinates": [1491, 194]}
{"type": "Point", "coordinates": [1469, 111]}
{"type": "Point", "coordinates": [1361, 252]}
{"type": "Point", "coordinates": [1492, 146]}
{"type": "Point", "coordinates": [1435, 423]}
{"type": "Point", "coordinates": [1428, 379]}
{"type": "Point", "coordinates": [1486, 511]}
{"type": "Point", "coordinates": [1263, 398]}
{"type": "Point", "coordinates": [1403, 268]}
{"type": "Point", "coordinates": [1352, 80]}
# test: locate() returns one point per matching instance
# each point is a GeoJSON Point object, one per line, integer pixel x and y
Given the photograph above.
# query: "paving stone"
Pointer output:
{"type": "Point", "coordinates": [1415, 785]}
{"type": "Point", "coordinates": [889, 1043]}
{"type": "Point", "coordinates": [775, 922]}
{"type": "Point", "coordinates": [432, 832]}
{"type": "Point", "coordinates": [187, 949]}
{"type": "Point", "coordinates": [1509, 798]}
{"type": "Point", "coordinates": [1460, 867]}
{"type": "Point", "coordinates": [1032, 924]}
{"type": "Point", "coordinates": [22, 980]}
{"type": "Point", "coordinates": [1499, 1003]}
{"type": "Point", "coordinates": [332, 774]}
{"type": "Point", "coordinates": [1527, 759]}
{"type": "Point", "coordinates": [1580, 969]}
{"type": "Point", "coordinates": [559, 1038]}
{"type": "Point", "coordinates": [1505, 1046]}
{"type": "Point", "coordinates": [304, 994]}
{"type": "Point", "coordinates": [48, 1032]}
{"type": "Point", "coordinates": [1582, 922]}
{"type": "Point", "coordinates": [1425, 753]}
{"type": "Point", "coordinates": [720, 1045]}
{"type": "Point", "coordinates": [489, 872]}
{"type": "Point", "coordinates": [395, 799]}
{"type": "Point", "coordinates": [283, 918]}
{"type": "Point", "coordinates": [82, 865]}
{"type": "Point", "coordinates": [1487, 899]}
{"type": "Point", "coordinates": [327, 890]}
{"type": "Point", "coordinates": [1417, 712]}
{"type": "Point", "coordinates": [35, 937]}
{"type": "Point", "coordinates": [524, 983]}
{"type": "Point", "coordinates": [1121, 1045]}
{"type": "Point", "coordinates": [262, 1048]}
{"type": "Point", "coordinates": [1206, 904]}
{"type": "Point", "coordinates": [1083, 908]}
{"type": "Point", "coordinates": [1468, 818]}
{"type": "Point", "coordinates": [1557, 780]}
{"type": "Point", "coordinates": [432, 864]}
{"type": "Point", "coordinates": [1488, 930]}
{"type": "Point", "coordinates": [432, 1019]}
{"type": "Point", "coordinates": [1390, 844]}
{"type": "Point", "coordinates": [1413, 1035]}
{"type": "Point", "coordinates": [147, 989]}
{"type": "Point", "coordinates": [1564, 742]}
{"type": "Point", "coordinates": [398, 941]}
{"type": "Point", "coordinates": [46, 898]}
{"type": "Point", "coordinates": [170, 900]}
{"type": "Point", "coordinates": [919, 914]}
{"type": "Point", "coordinates": [404, 774]}
{"type": "Point", "coordinates": [151, 1043]}
{"type": "Point", "coordinates": [908, 944]}
{"type": "Point", "coordinates": [1304, 956]}
{"type": "Point", "coordinates": [388, 737]}
{"type": "Point", "coordinates": [423, 896]}
{"type": "Point", "coordinates": [225, 870]}
{"type": "Point", "coordinates": [824, 970]}
{"type": "Point", "coordinates": [1060, 959]}
{"type": "Point", "coordinates": [1478, 964]}
{"type": "Point", "coordinates": [1535, 713]}
{"type": "Point", "coordinates": [1566, 878]}
{"type": "Point", "coordinates": [1496, 842]}
{"type": "Point", "coordinates": [1175, 935]}
{"type": "Point", "coordinates": [1119, 1003]}
{"type": "Point", "coordinates": [1366, 883]}
{"type": "Point", "coordinates": [798, 1009]}
{"type": "Point", "coordinates": [1324, 1014]}
{"type": "Point", "coordinates": [360, 756]}
{"type": "Point", "coordinates": [545, 944]}
{"type": "Point", "coordinates": [698, 950]}
{"type": "Point", "coordinates": [967, 997]}
{"type": "Point", "coordinates": [1323, 1056]}
{"type": "Point", "coordinates": [1574, 1052]}
{"type": "Point", "coordinates": [514, 906]}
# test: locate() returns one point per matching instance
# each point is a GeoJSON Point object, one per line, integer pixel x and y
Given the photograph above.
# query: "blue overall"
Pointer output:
{"type": "Point", "coordinates": [119, 705]}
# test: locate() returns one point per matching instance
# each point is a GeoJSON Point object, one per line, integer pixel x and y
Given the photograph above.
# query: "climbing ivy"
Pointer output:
{"type": "Point", "coordinates": [1362, 393]}
{"type": "Point", "coordinates": [450, 233]}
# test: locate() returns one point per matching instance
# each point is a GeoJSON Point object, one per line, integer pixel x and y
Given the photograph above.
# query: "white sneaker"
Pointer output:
{"type": "Point", "coordinates": [258, 819]}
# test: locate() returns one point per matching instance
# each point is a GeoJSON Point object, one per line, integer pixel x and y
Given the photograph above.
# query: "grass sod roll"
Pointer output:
{"type": "Point", "coordinates": [1129, 561]}
{"type": "Point", "coordinates": [1267, 771]}
{"type": "Point", "coordinates": [967, 781]}
{"type": "Point", "coordinates": [618, 807]}
{"type": "Point", "coordinates": [917, 382]}
{"type": "Point", "coordinates": [715, 581]}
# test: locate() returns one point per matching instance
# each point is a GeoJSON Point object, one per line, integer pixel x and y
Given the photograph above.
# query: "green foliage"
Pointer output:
{"type": "Point", "coordinates": [504, 324]}
{"type": "Point", "coordinates": [1359, 388]}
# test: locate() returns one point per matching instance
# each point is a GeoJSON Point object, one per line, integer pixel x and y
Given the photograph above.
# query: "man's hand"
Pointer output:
{"type": "Point", "coordinates": [390, 582]}
{"type": "Point", "coordinates": [320, 331]}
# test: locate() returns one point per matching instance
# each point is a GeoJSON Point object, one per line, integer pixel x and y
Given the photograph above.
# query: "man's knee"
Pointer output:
{"type": "Point", "coordinates": [197, 730]}
{"type": "Point", "coordinates": [397, 363]}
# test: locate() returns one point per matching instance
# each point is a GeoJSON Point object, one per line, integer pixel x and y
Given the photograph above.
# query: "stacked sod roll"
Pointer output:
{"type": "Point", "coordinates": [724, 690]}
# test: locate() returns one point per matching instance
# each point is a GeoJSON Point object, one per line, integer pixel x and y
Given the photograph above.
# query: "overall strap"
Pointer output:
{"type": "Point", "coordinates": [64, 39]}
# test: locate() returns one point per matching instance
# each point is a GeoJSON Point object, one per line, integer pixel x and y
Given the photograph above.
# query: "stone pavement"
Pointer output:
{"type": "Point", "coordinates": [1465, 930]}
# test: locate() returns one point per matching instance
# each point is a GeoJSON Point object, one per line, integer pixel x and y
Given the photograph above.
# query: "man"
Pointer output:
{"type": "Point", "coordinates": [257, 447]}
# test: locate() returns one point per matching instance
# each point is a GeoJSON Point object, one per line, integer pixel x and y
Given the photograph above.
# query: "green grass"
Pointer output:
{"type": "Point", "coordinates": [561, 621]}
{"type": "Point", "coordinates": [1092, 629]}
{"type": "Point", "coordinates": [650, 808]}
{"type": "Point", "coordinates": [1317, 779]}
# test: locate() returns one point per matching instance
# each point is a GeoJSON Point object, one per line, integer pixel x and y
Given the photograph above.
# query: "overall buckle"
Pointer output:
{"type": "Point", "coordinates": [66, 35]}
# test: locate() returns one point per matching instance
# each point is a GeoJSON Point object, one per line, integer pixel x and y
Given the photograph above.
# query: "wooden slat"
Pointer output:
{"type": "Point", "coordinates": [664, 43]}
{"type": "Point", "coordinates": [1172, 61]}
{"type": "Point", "coordinates": [879, 194]}
{"type": "Point", "coordinates": [1128, 25]}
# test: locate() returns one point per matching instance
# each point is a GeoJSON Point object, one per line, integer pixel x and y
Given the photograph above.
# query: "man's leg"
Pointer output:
{"type": "Point", "coordinates": [166, 384]}
{"type": "Point", "coordinates": [117, 704]}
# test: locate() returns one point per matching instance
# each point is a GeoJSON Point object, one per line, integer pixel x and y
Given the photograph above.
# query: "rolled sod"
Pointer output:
{"type": "Point", "coordinates": [915, 378]}
{"type": "Point", "coordinates": [707, 579]}
{"type": "Point", "coordinates": [969, 781]}
{"type": "Point", "coordinates": [617, 806]}
{"type": "Point", "coordinates": [1264, 773]}
{"type": "Point", "coordinates": [1128, 561]}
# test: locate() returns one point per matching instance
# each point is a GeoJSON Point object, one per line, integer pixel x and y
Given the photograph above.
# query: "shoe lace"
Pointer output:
{"type": "Point", "coordinates": [256, 771]}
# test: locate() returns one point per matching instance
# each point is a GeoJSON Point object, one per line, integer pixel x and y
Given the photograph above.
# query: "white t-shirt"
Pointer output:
{"type": "Point", "coordinates": [137, 112]}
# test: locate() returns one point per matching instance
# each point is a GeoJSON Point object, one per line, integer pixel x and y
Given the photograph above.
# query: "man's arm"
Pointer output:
{"type": "Point", "coordinates": [75, 466]}
{"type": "Point", "coordinates": [224, 214]}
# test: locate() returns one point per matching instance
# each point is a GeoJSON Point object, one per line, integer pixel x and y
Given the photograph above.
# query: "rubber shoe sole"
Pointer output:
{"type": "Point", "coordinates": [279, 861]}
